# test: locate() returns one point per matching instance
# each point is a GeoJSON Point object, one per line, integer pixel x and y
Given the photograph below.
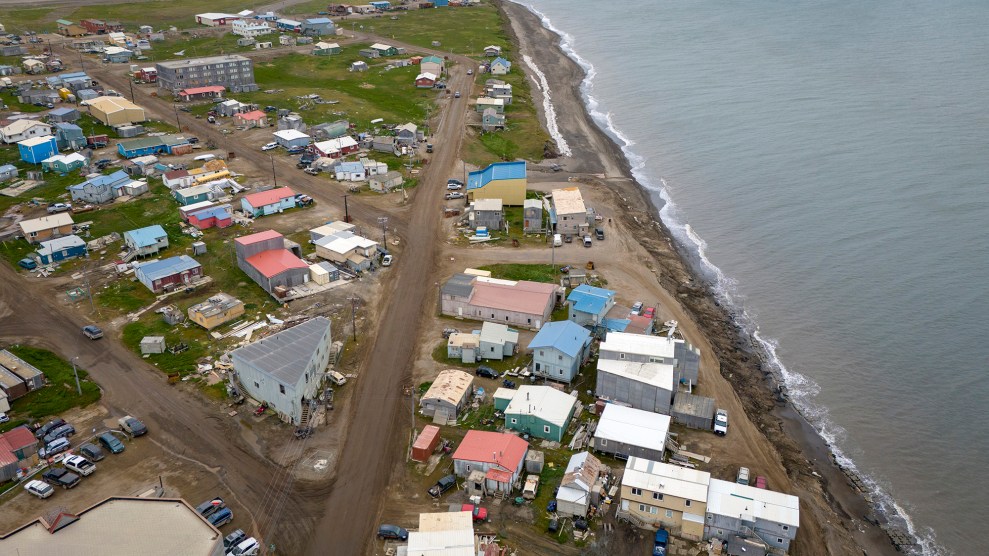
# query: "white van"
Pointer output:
{"type": "Point", "coordinates": [557, 240]}
{"type": "Point", "coordinates": [743, 476]}
{"type": "Point", "coordinates": [337, 378]}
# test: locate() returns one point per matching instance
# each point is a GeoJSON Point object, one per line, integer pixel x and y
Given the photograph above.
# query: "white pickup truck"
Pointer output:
{"type": "Point", "coordinates": [531, 486]}
{"type": "Point", "coordinates": [80, 465]}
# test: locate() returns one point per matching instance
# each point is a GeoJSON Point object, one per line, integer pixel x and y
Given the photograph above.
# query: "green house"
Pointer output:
{"type": "Point", "coordinates": [539, 411]}
{"type": "Point", "coordinates": [385, 49]}
{"type": "Point", "coordinates": [326, 49]}
{"type": "Point", "coordinates": [64, 163]}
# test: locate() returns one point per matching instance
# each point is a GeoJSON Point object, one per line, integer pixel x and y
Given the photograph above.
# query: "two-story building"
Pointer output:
{"type": "Point", "coordinates": [657, 495]}
{"type": "Point", "coordinates": [48, 227]}
{"type": "Point", "coordinates": [643, 348]}
{"type": "Point", "coordinates": [146, 241]}
{"type": "Point", "coordinates": [218, 309]}
{"type": "Point", "coordinates": [559, 349]}
{"type": "Point", "coordinates": [588, 305]}
{"type": "Point", "coordinates": [743, 510]}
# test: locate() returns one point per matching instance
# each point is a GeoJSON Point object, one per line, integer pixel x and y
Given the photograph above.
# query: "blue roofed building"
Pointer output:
{"type": "Point", "coordinates": [69, 136]}
{"type": "Point", "coordinates": [168, 273]}
{"type": "Point", "coordinates": [318, 26]}
{"type": "Point", "coordinates": [589, 305]}
{"type": "Point", "coordinates": [62, 248]}
{"type": "Point", "coordinates": [559, 349]}
{"type": "Point", "coordinates": [500, 66]}
{"type": "Point", "coordinates": [145, 241]}
{"type": "Point", "coordinates": [501, 180]}
{"type": "Point", "coordinates": [99, 189]}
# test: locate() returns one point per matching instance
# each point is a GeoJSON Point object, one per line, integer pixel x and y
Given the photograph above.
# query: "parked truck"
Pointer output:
{"type": "Point", "coordinates": [531, 486]}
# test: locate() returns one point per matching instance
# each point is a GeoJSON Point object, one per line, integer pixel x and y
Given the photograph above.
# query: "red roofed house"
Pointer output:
{"type": "Point", "coordinates": [272, 201]}
{"type": "Point", "coordinates": [515, 303]}
{"type": "Point", "coordinates": [500, 456]}
{"type": "Point", "coordinates": [272, 261]}
{"type": "Point", "coordinates": [196, 93]}
{"type": "Point", "coordinates": [178, 179]}
{"type": "Point", "coordinates": [18, 449]}
{"type": "Point", "coordinates": [254, 118]}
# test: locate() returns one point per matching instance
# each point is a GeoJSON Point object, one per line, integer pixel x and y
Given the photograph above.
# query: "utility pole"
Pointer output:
{"type": "Point", "coordinates": [346, 210]}
{"type": "Point", "coordinates": [76, 373]}
{"type": "Point", "coordinates": [177, 124]}
{"type": "Point", "coordinates": [273, 175]}
{"type": "Point", "coordinates": [353, 315]}
{"type": "Point", "coordinates": [131, 83]}
{"type": "Point", "coordinates": [383, 220]}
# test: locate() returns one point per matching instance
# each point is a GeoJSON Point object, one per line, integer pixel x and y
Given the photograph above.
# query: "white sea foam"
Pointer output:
{"type": "Point", "coordinates": [551, 125]}
{"type": "Point", "coordinates": [800, 389]}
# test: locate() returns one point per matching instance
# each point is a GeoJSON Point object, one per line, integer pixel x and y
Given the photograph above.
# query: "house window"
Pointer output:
{"type": "Point", "coordinates": [546, 429]}
{"type": "Point", "coordinates": [656, 360]}
{"type": "Point", "coordinates": [559, 357]}
{"type": "Point", "coordinates": [636, 492]}
{"type": "Point", "coordinates": [669, 513]}
{"type": "Point", "coordinates": [528, 321]}
{"type": "Point", "coordinates": [492, 349]}
{"type": "Point", "coordinates": [643, 508]}
{"type": "Point", "coordinates": [561, 372]}
{"type": "Point", "coordinates": [541, 353]}
{"type": "Point", "coordinates": [621, 356]}
{"type": "Point", "coordinates": [281, 388]}
{"type": "Point", "coordinates": [686, 503]}
{"type": "Point", "coordinates": [657, 496]}
{"type": "Point", "coordinates": [786, 527]}
{"type": "Point", "coordinates": [256, 385]}
{"type": "Point", "coordinates": [779, 540]}
{"type": "Point", "coordinates": [603, 441]}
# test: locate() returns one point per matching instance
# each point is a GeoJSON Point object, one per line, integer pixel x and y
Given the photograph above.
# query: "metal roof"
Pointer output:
{"type": "Point", "coordinates": [504, 450]}
{"type": "Point", "coordinates": [496, 171]}
{"type": "Point", "coordinates": [215, 304]}
{"type": "Point", "coordinates": [633, 427]}
{"type": "Point", "coordinates": [750, 503]}
{"type": "Point", "coordinates": [145, 237]}
{"type": "Point", "coordinates": [659, 375]}
{"type": "Point", "coordinates": [290, 134]}
{"type": "Point", "coordinates": [588, 299]}
{"type": "Point", "coordinates": [692, 404]}
{"type": "Point", "coordinates": [193, 62]}
{"type": "Point", "coordinates": [641, 344]}
{"type": "Point", "coordinates": [156, 270]}
{"type": "Point", "coordinates": [498, 333]}
{"type": "Point", "coordinates": [666, 479]}
{"type": "Point", "coordinates": [568, 201]}
{"type": "Point", "coordinates": [450, 386]}
{"type": "Point", "coordinates": [566, 336]}
{"type": "Point", "coordinates": [275, 261]}
{"type": "Point", "coordinates": [544, 402]}
{"type": "Point", "coordinates": [58, 244]}
{"type": "Point", "coordinates": [582, 472]}
{"type": "Point", "coordinates": [459, 285]}
{"type": "Point", "coordinates": [108, 180]}
{"type": "Point", "coordinates": [46, 223]}
{"type": "Point", "coordinates": [270, 197]}
{"type": "Point", "coordinates": [285, 355]}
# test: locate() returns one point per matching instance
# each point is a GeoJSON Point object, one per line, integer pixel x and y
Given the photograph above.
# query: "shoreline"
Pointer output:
{"type": "Point", "coordinates": [847, 518]}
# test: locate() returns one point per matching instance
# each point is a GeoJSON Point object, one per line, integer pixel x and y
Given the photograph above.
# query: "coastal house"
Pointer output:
{"type": "Point", "coordinates": [146, 241]}
{"type": "Point", "coordinates": [569, 215]}
{"type": "Point", "coordinates": [559, 349]}
{"type": "Point", "coordinates": [581, 485]}
{"type": "Point", "coordinates": [47, 227]}
{"type": "Point", "coordinates": [272, 201]}
{"type": "Point", "coordinates": [491, 120]}
{"type": "Point", "coordinates": [588, 305]}
{"type": "Point", "coordinates": [501, 180]}
{"type": "Point", "coordinates": [487, 103]}
{"type": "Point", "coordinates": [447, 395]}
{"type": "Point", "coordinates": [625, 432]}
{"type": "Point", "coordinates": [486, 213]}
{"type": "Point", "coordinates": [742, 510]}
{"type": "Point", "coordinates": [168, 274]}
{"type": "Point", "coordinates": [532, 215]}
{"type": "Point", "coordinates": [500, 66]}
{"type": "Point", "coordinates": [60, 249]}
{"type": "Point", "coordinates": [645, 386]}
{"type": "Point", "coordinates": [499, 459]}
{"type": "Point", "coordinates": [539, 411]}
{"type": "Point", "coordinates": [492, 51]}
{"type": "Point", "coordinates": [272, 261]}
{"type": "Point", "coordinates": [654, 349]}
{"type": "Point", "coordinates": [516, 303]}
{"type": "Point", "coordinates": [668, 496]}
{"type": "Point", "coordinates": [286, 369]}
{"type": "Point", "coordinates": [218, 309]}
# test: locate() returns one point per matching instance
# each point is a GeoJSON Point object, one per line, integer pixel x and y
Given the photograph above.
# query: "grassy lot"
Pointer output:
{"type": "Point", "coordinates": [169, 363]}
{"type": "Point", "coordinates": [531, 272]}
{"type": "Point", "coordinates": [459, 30]}
{"type": "Point", "coordinates": [523, 136]}
{"type": "Point", "coordinates": [196, 44]}
{"type": "Point", "coordinates": [361, 97]}
{"type": "Point", "coordinates": [311, 7]}
{"type": "Point", "coordinates": [58, 396]}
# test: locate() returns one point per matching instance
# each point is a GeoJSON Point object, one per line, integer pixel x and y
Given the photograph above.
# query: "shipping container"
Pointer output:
{"type": "Point", "coordinates": [426, 443]}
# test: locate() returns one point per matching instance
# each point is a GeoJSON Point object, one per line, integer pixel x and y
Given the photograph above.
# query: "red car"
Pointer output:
{"type": "Point", "coordinates": [479, 513]}
{"type": "Point", "coordinates": [650, 312]}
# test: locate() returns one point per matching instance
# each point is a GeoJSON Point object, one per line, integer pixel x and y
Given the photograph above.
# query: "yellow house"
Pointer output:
{"type": "Point", "coordinates": [501, 180]}
{"type": "Point", "coordinates": [657, 494]}
{"type": "Point", "coordinates": [114, 111]}
{"type": "Point", "coordinates": [216, 310]}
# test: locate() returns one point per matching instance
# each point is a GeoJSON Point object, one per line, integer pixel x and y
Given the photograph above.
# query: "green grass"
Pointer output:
{"type": "Point", "coordinates": [311, 7]}
{"type": "Point", "coordinates": [20, 20]}
{"type": "Point", "coordinates": [361, 96]}
{"type": "Point", "coordinates": [523, 136]}
{"type": "Point", "coordinates": [459, 30]}
{"type": "Point", "coordinates": [60, 393]}
{"type": "Point", "coordinates": [549, 479]}
{"type": "Point", "coordinates": [531, 272]}
{"type": "Point", "coordinates": [197, 43]}
{"type": "Point", "coordinates": [124, 296]}
{"type": "Point", "coordinates": [169, 363]}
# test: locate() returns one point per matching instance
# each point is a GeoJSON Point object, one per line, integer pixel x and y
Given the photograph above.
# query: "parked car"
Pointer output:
{"type": "Point", "coordinates": [233, 539]}
{"type": "Point", "coordinates": [456, 181]}
{"type": "Point", "coordinates": [599, 233]}
{"type": "Point", "coordinates": [429, 148]}
{"type": "Point", "coordinates": [721, 422]}
{"type": "Point", "coordinates": [112, 443]}
{"type": "Point", "coordinates": [650, 312]}
{"type": "Point", "coordinates": [637, 308]}
{"type": "Point", "coordinates": [387, 260]}
{"type": "Point", "coordinates": [451, 186]}
{"type": "Point", "coordinates": [486, 372]}
{"type": "Point", "coordinates": [54, 447]}
{"type": "Point", "coordinates": [659, 543]}
{"type": "Point", "coordinates": [456, 94]}
{"type": "Point", "coordinates": [743, 476]}
{"type": "Point", "coordinates": [221, 517]}
{"type": "Point", "coordinates": [336, 378]}
{"type": "Point", "coordinates": [61, 476]}
{"type": "Point", "coordinates": [760, 482]}
{"type": "Point", "coordinates": [531, 487]}
{"type": "Point", "coordinates": [269, 146]}
{"type": "Point", "coordinates": [132, 425]}
{"type": "Point", "coordinates": [210, 506]}
{"type": "Point", "coordinates": [442, 485]}
{"type": "Point", "coordinates": [27, 263]}
{"type": "Point", "coordinates": [470, 72]}
{"type": "Point", "coordinates": [4, 418]}
{"type": "Point", "coordinates": [58, 207]}
{"type": "Point", "coordinates": [587, 241]}
{"type": "Point", "coordinates": [62, 431]}
{"type": "Point", "coordinates": [567, 238]}
{"type": "Point", "coordinates": [453, 195]}
{"type": "Point", "coordinates": [477, 512]}
{"type": "Point", "coordinates": [41, 431]}
{"type": "Point", "coordinates": [392, 532]}
{"type": "Point", "coordinates": [40, 489]}
{"type": "Point", "coordinates": [296, 150]}
{"type": "Point", "coordinates": [248, 547]}
{"type": "Point", "coordinates": [103, 163]}
{"type": "Point", "coordinates": [557, 240]}
{"type": "Point", "coordinates": [80, 465]}
{"type": "Point", "coordinates": [92, 332]}
{"type": "Point", "coordinates": [92, 452]}
{"type": "Point", "coordinates": [193, 140]}
{"type": "Point", "coordinates": [312, 171]}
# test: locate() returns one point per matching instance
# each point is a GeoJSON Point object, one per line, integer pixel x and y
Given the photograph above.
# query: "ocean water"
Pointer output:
{"type": "Point", "coordinates": [826, 163]}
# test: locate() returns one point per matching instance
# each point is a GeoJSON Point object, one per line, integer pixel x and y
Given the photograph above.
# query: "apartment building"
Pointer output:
{"type": "Point", "coordinates": [234, 72]}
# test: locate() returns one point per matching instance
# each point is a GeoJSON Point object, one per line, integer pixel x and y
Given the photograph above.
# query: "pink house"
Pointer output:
{"type": "Point", "coordinates": [255, 118]}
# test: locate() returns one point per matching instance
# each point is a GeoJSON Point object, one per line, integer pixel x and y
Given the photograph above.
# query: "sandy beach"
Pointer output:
{"type": "Point", "coordinates": [835, 517]}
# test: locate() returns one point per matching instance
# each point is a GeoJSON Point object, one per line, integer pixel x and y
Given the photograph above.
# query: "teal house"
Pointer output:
{"type": "Point", "coordinates": [539, 411]}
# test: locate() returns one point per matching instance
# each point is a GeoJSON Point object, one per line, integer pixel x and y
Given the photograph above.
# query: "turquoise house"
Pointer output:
{"type": "Point", "coordinates": [539, 411]}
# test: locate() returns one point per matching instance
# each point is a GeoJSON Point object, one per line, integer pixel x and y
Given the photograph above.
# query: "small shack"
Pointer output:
{"type": "Point", "coordinates": [448, 394]}
{"type": "Point", "coordinates": [152, 344]}
{"type": "Point", "coordinates": [691, 410]}
{"type": "Point", "coordinates": [426, 443]}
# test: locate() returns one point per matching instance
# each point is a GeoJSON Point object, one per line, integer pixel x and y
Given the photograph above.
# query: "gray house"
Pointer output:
{"type": "Point", "coordinates": [232, 71]}
{"type": "Point", "coordinates": [407, 134]}
{"type": "Point", "coordinates": [487, 213]}
{"type": "Point", "coordinates": [532, 215]}
{"type": "Point", "coordinates": [8, 172]}
{"type": "Point", "coordinates": [646, 386]}
{"type": "Point", "coordinates": [497, 341]}
{"type": "Point", "coordinates": [654, 349]}
{"type": "Point", "coordinates": [491, 120]}
{"type": "Point", "coordinates": [318, 26]}
{"type": "Point", "coordinates": [734, 509]}
{"type": "Point", "coordinates": [385, 145]}
{"type": "Point", "coordinates": [559, 349]}
{"type": "Point", "coordinates": [448, 394]}
{"type": "Point", "coordinates": [286, 369]}
{"type": "Point", "coordinates": [272, 261]}
{"type": "Point", "coordinates": [626, 431]}
{"type": "Point", "coordinates": [386, 182]}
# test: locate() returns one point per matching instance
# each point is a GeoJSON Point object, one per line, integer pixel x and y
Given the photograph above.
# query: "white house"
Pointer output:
{"type": "Point", "coordinates": [497, 341]}
{"type": "Point", "coordinates": [286, 369]}
{"type": "Point", "coordinates": [733, 509]}
{"type": "Point", "coordinates": [626, 431]}
{"type": "Point", "coordinates": [251, 28]}
{"type": "Point", "coordinates": [644, 348]}
{"type": "Point", "coordinates": [19, 130]}
{"type": "Point", "coordinates": [581, 485]}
